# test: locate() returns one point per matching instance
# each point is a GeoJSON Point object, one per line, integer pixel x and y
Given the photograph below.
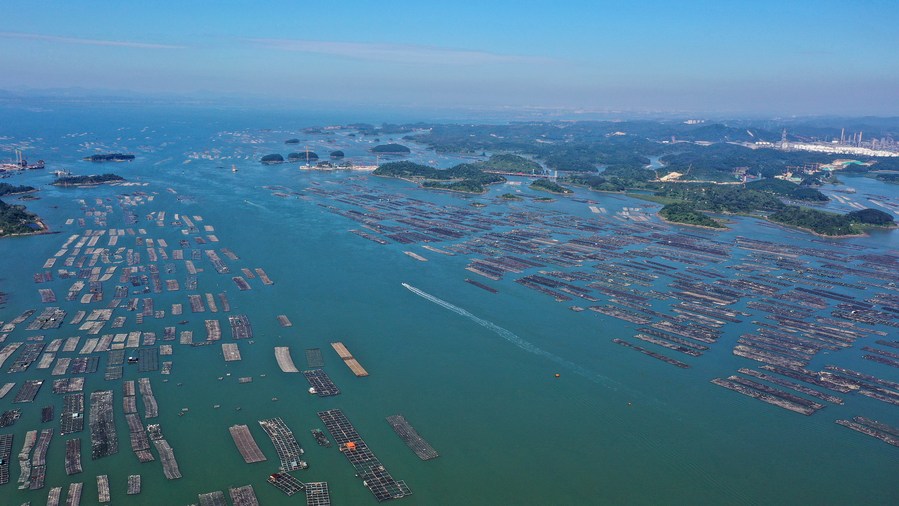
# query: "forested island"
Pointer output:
{"type": "Point", "coordinates": [8, 189]}
{"type": "Point", "coordinates": [685, 213]}
{"type": "Point", "coordinates": [302, 155]}
{"type": "Point", "coordinates": [271, 159]}
{"type": "Point", "coordinates": [391, 149]}
{"type": "Point", "coordinates": [87, 180]}
{"type": "Point", "coordinates": [464, 177]}
{"type": "Point", "coordinates": [336, 154]}
{"type": "Point", "coordinates": [547, 185]}
{"type": "Point", "coordinates": [15, 220]}
{"type": "Point", "coordinates": [109, 157]}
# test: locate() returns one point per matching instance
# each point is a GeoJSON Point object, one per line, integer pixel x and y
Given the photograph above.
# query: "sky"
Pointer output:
{"type": "Point", "coordinates": [793, 57]}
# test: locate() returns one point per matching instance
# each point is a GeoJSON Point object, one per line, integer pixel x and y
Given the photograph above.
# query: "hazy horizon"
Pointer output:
{"type": "Point", "coordinates": [763, 58]}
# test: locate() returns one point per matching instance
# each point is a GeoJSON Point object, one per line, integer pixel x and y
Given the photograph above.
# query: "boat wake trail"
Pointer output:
{"type": "Point", "coordinates": [517, 341]}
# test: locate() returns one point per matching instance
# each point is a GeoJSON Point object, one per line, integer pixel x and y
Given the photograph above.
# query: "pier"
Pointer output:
{"type": "Point", "coordinates": [246, 445]}
{"type": "Point", "coordinates": [102, 488]}
{"type": "Point", "coordinates": [348, 359]}
{"type": "Point", "coordinates": [317, 494]}
{"type": "Point", "coordinates": [409, 436]}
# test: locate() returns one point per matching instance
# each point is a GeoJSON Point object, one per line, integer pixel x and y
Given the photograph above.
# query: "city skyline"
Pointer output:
{"type": "Point", "coordinates": [728, 57]}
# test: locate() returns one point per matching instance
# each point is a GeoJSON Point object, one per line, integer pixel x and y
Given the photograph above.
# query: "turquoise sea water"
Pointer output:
{"type": "Point", "coordinates": [616, 427]}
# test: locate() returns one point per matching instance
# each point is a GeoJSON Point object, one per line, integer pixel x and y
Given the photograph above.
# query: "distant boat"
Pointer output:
{"type": "Point", "coordinates": [233, 168]}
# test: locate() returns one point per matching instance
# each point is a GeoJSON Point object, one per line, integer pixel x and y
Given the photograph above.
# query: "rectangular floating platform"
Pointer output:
{"type": "Point", "coordinates": [74, 497]}
{"type": "Point", "coordinates": [410, 436]}
{"type": "Point", "coordinates": [231, 352]}
{"type": "Point", "coordinates": [314, 358]}
{"type": "Point", "coordinates": [368, 468]}
{"type": "Point", "coordinates": [321, 382]}
{"type": "Point", "coordinates": [286, 483]}
{"type": "Point", "coordinates": [28, 391]}
{"type": "Point", "coordinates": [284, 321]}
{"type": "Point", "coordinates": [133, 484]}
{"type": "Point", "coordinates": [216, 498]}
{"type": "Point", "coordinates": [243, 496]}
{"type": "Point", "coordinates": [317, 494]}
{"type": "Point", "coordinates": [102, 425]}
{"type": "Point", "coordinates": [246, 445]}
{"type": "Point", "coordinates": [347, 357]}
{"type": "Point", "coordinates": [73, 456]}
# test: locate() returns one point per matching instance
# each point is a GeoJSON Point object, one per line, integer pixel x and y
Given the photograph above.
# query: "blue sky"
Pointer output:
{"type": "Point", "coordinates": [799, 57]}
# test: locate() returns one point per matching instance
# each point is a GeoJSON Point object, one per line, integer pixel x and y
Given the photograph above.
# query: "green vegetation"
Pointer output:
{"type": "Point", "coordinates": [511, 163]}
{"type": "Point", "coordinates": [336, 154]}
{"type": "Point", "coordinates": [292, 141]}
{"type": "Point", "coordinates": [549, 186]}
{"type": "Point", "coordinates": [687, 214]}
{"type": "Point", "coordinates": [871, 217]}
{"type": "Point", "coordinates": [825, 223]}
{"type": "Point", "coordinates": [16, 220]}
{"type": "Point", "coordinates": [272, 159]}
{"type": "Point", "coordinates": [8, 189]}
{"type": "Point", "coordinates": [721, 198]}
{"type": "Point", "coordinates": [510, 196]}
{"type": "Point", "coordinates": [788, 189]}
{"type": "Point", "coordinates": [111, 157]}
{"type": "Point", "coordinates": [464, 177]}
{"type": "Point", "coordinates": [391, 149]}
{"type": "Point", "coordinates": [303, 155]}
{"type": "Point", "coordinates": [87, 180]}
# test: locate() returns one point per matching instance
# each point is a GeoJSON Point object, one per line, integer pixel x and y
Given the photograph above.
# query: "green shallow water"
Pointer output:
{"type": "Point", "coordinates": [616, 428]}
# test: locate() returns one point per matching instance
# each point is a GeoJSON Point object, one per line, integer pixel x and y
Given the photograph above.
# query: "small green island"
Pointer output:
{"type": "Point", "coordinates": [506, 162]}
{"type": "Point", "coordinates": [685, 213]}
{"type": "Point", "coordinates": [271, 159]}
{"type": "Point", "coordinates": [510, 196]}
{"type": "Point", "coordinates": [109, 157]}
{"type": "Point", "coordinates": [91, 180]}
{"type": "Point", "coordinates": [16, 220]}
{"type": "Point", "coordinates": [391, 149]}
{"type": "Point", "coordinates": [544, 184]}
{"type": "Point", "coordinates": [8, 189]}
{"type": "Point", "coordinates": [336, 154]}
{"type": "Point", "coordinates": [465, 177]}
{"type": "Point", "coordinates": [292, 141]}
{"type": "Point", "coordinates": [302, 155]}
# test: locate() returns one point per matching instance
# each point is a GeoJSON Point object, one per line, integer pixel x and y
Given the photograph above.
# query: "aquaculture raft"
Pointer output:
{"type": "Point", "coordinates": [321, 382]}
{"type": "Point", "coordinates": [347, 357]}
{"type": "Point", "coordinates": [247, 446]}
{"type": "Point", "coordinates": [409, 436]}
{"type": "Point", "coordinates": [368, 468]}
